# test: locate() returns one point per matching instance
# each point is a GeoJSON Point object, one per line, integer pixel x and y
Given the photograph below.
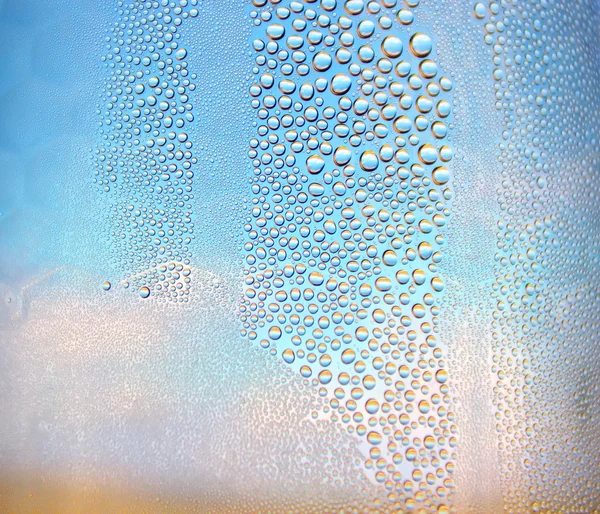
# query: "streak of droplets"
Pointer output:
{"type": "Point", "coordinates": [145, 163]}
{"type": "Point", "coordinates": [545, 326]}
{"type": "Point", "coordinates": [344, 235]}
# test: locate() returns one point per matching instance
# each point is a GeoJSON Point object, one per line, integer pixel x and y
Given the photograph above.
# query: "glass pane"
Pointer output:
{"type": "Point", "coordinates": [299, 256]}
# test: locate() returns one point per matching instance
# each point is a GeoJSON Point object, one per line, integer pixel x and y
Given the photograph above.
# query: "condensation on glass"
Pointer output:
{"type": "Point", "coordinates": [299, 256]}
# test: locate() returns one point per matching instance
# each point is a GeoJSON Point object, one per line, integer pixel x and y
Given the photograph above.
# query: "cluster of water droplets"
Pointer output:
{"type": "Point", "coordinates": [545, 325]}
{"type": "Point", "coordinates": [145, 161]}
{"type": "Point", "coordinates": [344, 235]}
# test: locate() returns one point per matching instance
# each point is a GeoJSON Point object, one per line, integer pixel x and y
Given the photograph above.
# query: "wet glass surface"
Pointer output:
{"type": "Point", "coordinates": [299, 256]}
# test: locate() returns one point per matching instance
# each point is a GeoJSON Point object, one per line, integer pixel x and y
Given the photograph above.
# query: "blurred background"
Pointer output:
{"type": "Point", "coordinates": [125, 387]}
